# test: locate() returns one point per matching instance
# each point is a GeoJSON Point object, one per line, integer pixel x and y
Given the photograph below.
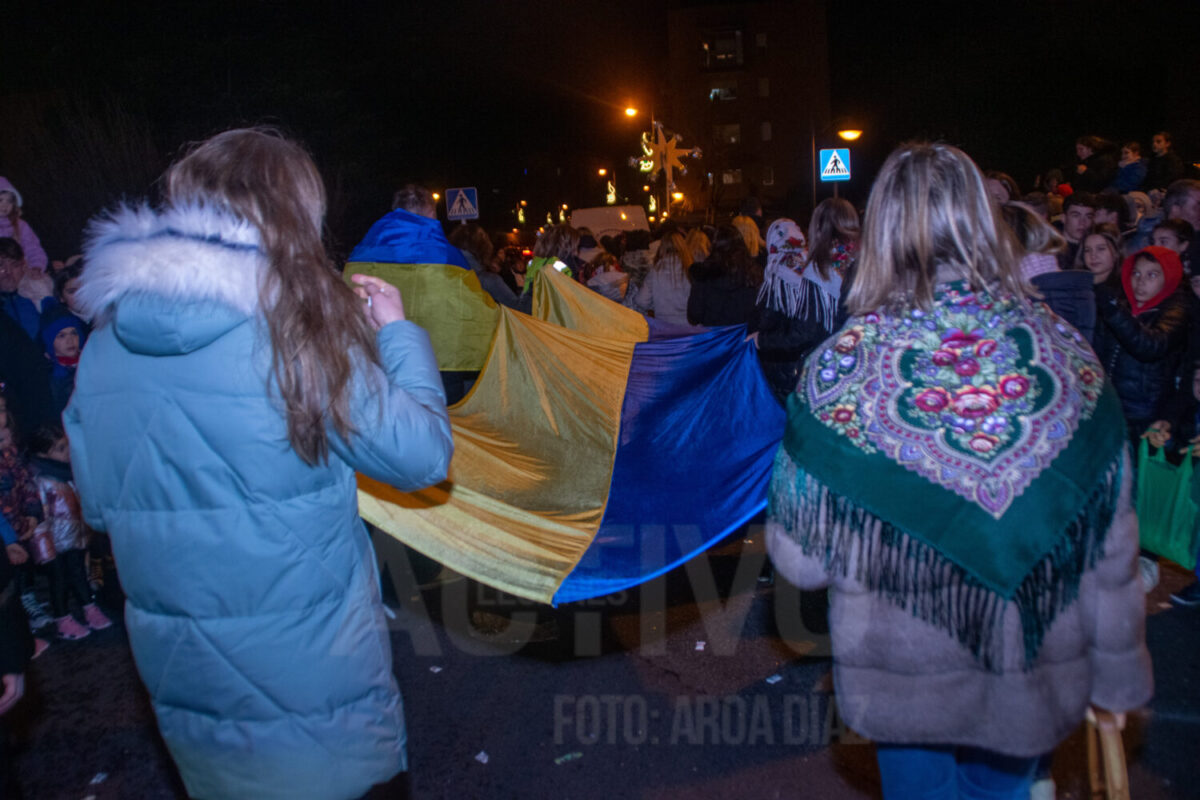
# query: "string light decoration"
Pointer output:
{"type": "Point", "coordinates": [662, 153]}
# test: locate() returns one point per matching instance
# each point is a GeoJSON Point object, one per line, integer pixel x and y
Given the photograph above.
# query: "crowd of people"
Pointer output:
{"type": "Point", "coordinates": [42, 527]}
{"type": "Point", "coordinates": [1110, 252]}
{"type": "Point", "coordinates": [168, 433]}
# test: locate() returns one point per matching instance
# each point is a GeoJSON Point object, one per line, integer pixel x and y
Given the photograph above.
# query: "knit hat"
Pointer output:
{"type": "Point", "coordinates": [55, 326]}
{"type": "Point", "coordinates": [6, 186]}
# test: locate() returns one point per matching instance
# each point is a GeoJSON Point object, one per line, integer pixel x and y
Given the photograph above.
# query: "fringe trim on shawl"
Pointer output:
{"type": "Point", "coordinates": [915, 576]}
{"type": "Point", "coordinates": [792, 294]}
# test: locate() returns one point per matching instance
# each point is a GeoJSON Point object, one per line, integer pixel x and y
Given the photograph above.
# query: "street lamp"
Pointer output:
{"type": "Point", "coordinates": [630, 111]}
{"type": "Point", "coordinates": [850, 134]}
{"type": "Point", "coordinates": [602, 172]}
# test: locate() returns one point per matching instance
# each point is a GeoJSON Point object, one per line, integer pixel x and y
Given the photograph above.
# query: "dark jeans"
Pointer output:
{"type": "Point", "coordinates": [68, 575]}
{"type": "Point", "coordinates": [952, 773]}
{"type": "Point", "coordinates": [10, 789]}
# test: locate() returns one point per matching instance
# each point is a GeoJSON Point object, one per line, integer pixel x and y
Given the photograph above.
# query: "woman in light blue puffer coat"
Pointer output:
{"type": "Point", "coordinates": [232, 387]}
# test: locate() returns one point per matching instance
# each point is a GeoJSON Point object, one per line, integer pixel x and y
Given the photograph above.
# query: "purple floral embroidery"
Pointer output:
{"type": "Point", "coordinates": [980, 403]}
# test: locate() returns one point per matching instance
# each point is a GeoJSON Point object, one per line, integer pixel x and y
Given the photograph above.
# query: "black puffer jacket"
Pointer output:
{"type": "Point", "coordinates": [1141, 354]}
{"type": "Point", "coordinates": [1070, 295]}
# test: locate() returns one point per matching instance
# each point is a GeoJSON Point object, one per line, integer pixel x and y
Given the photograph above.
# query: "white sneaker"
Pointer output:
{"type": "Point", "coordinates": [1148, 567]}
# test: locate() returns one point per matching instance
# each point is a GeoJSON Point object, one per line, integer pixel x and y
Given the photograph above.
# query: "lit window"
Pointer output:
{"type": "Point", "coordinates": [766, 131]}
{"type": "Point", "coordinates": [722, 50]}
{"type": "Point", "coordinates": [764, 87]}
{"type": "Point", "coordinates": [727, 134]}
{"type": "Point", "coordinates": [731, 176]}
{"type": "Point", "coordinates": [723, 90]}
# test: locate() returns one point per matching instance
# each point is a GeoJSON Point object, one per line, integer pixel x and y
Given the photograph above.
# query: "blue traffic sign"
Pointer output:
{"type": "Point", "coordinates": [835, 164]}
{"type": "Point", "coordinates": [462, 203]}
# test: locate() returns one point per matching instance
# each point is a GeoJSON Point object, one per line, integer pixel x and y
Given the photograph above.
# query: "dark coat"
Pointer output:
{"type": "Point", "coordinates": [25, 372]}
{"type": "Point", "coordinates": [785, 341]}
{"type": "Point", "coordinates": [719, 299]}
{"type": "Point", "coordinates": [1141, 354]}
{"type": "Point", "coordinates": [16, 642]}
{"type": "Point", "coordinates": [1100, 173]}
{"type": "Point", "coordinates": [1162, 170]}
{"type": "Point", "coordinates": [1071, 296]}
{"type": "Point", "coordinates": [783, 344]}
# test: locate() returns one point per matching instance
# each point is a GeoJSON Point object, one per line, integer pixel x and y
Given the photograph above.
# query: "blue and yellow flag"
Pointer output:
{"type": "Point", "coordinates": [441, 293]}
{"type": "Point", "coordinates": [588, 458]}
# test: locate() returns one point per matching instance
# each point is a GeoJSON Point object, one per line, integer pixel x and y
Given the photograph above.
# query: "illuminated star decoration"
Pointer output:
{"type": "Point", "coordinates": [662, 153]}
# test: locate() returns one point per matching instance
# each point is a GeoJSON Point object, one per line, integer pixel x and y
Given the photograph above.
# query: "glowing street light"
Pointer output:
{"type": "Point", "coordinates": [846, 134]}
{"type": "Point", "coordinates": [602, 172]}
{"type": "Point", "coordinates": [677, 197]}
{"type": "Point", "coordinates": [646, 188]}
{"type": "Point", "coordinates": [436, 197]}
{"type": "Point", "coordinates": [630, 111]}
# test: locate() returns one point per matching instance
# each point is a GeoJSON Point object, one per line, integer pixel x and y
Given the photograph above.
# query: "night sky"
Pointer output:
{"type": "Point", "coordinates": [525, 97]}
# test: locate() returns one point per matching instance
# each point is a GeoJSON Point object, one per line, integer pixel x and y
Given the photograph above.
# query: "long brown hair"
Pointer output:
{"type": "Point", "coordinates": [929, 208]}
{"type": "Point", "coordinates": [317, 329]}
{"type": "Point", "coordinates": [834, 221]}
{"type": "Point", "coordinates": [559, 241]}
{"type": "Point", "coordinates": [731, 257]}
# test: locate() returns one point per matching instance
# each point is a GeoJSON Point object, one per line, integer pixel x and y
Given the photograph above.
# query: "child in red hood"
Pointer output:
{"type": "Point", "coordinates": [1141, 338]}
{"type": "Point", "coordinates": [1142, 334]}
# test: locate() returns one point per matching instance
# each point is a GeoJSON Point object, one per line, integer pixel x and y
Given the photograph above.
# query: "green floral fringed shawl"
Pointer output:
{"type": "Point", "coordinates": [955, 460]}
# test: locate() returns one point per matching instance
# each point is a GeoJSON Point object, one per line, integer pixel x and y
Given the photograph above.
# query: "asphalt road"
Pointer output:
{"type": "Point", "coordinates": [702, 684]}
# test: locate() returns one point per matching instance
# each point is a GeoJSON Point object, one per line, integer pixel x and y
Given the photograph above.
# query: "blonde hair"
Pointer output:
{"type": "Point", "coordinates": [317, 329]}
{"type": "Point", "coordinates": [698, 244]}
{"type": "Point", "coordinates": [748, 228]}
{"type": "Point", "coordinates": [929, 210]}
{"type": "Point", "coordinates": [1031, 229]}
{"type": "Point", "coordinates": [673, 245]}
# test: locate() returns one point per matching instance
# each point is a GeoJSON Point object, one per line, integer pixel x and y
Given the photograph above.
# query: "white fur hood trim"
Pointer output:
{"type": "Point", "coordinates": [191, 252]}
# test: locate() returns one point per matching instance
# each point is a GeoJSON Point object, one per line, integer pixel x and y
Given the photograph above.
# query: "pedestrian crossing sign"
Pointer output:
{"type": "Point", "coordinates": [835, 165]}
{"type": "Point", "coordinates": [462, 203]}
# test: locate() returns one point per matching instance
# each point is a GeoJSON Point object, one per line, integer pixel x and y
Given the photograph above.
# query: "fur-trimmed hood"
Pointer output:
{"type": "Point", "coordinates": [188, 253]}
